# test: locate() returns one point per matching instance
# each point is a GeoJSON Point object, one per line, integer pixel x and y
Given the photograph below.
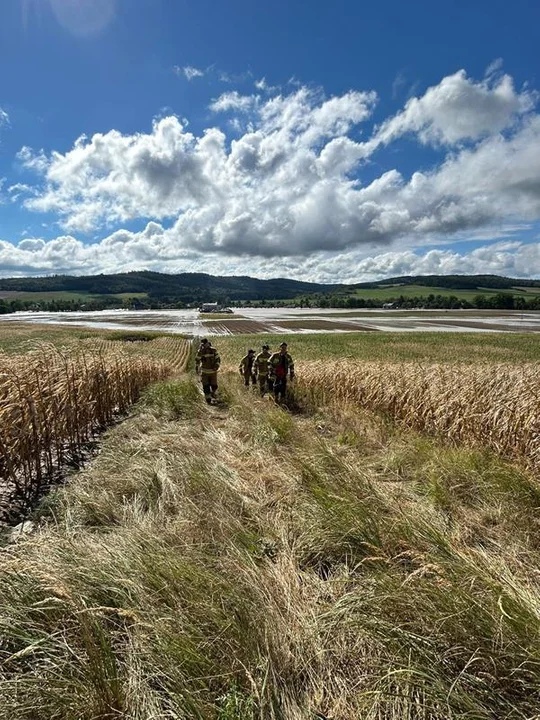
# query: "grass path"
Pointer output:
{"type": "Point", "coordinates": [243, 562]}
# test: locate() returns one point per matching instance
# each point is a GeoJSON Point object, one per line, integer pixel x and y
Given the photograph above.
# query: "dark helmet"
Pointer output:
{"type": "Point", "coordinates": [266, 347]}
{"type": "Point", "coordinates": [251, 352]}
{"type": "Point", "coordinates": [204, 341]}
{"type": "Point", "coordinates": [283, 344]}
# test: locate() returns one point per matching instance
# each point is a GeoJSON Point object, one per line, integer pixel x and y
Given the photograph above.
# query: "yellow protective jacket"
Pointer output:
{"type": "Point", "coordinates": [260, 364]}
{"type": "Point", "coordinates": [207, 360]}
{"type": "Point", "coordinates": [281, 365]}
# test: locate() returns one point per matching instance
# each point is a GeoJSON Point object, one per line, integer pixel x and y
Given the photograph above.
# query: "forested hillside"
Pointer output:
{"type": "Point", "coordinates": [145, 289]}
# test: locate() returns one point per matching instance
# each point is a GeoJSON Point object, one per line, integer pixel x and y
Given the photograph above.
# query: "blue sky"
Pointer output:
{"type": "Point", "coordinates": [325, 141]}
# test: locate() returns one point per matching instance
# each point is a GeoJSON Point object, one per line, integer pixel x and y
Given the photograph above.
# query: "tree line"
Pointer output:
{"type": "Point", "coordinates": [497, 301]}
{"type": "Point", "coordinates": [432, 301]}
{"type": "Point", "coordinates": [11, 305]}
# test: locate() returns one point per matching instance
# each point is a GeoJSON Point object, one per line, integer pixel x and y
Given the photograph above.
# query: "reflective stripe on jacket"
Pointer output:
{"type": "Point", "coordinates": [261, 363]}
{"type": "Point", "coordinates": [207, 359]}
{"type": "Point", "coordinates": [281, 365]}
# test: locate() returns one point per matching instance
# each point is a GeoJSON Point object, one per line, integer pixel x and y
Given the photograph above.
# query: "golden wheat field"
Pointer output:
{"type": "Point", "coordinates": [53, 401]}
{"type": "Point", "coordinates": [492, 405]}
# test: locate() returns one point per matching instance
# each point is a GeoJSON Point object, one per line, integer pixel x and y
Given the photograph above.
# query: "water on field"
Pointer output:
{"type": "Point", "coordinates": [289, 320]}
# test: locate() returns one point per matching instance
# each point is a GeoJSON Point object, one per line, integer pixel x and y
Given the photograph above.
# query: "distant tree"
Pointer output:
{"type": "Point", "coordinates": [503, 301]}
{"type": "Point", "coordinates": [480, 301]}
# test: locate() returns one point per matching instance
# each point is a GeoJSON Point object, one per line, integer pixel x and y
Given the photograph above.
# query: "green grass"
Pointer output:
{"type": "Point", "coordinates": [128, 335]}
{"type": "Point", "coordinates": [531, 290]}
{"type": "Point", "coordinates": [391, 346]}
{"type": "Point", "coordinates": [220, 316]}
{"type": "Point", "coordinates": [173, 400]}
{"type": "Point", "coordinates": [22, 337]}
{"type": "Point", "coordinates": [408, 291]}
{"type": "Point", "coordinates": [49, 295]}
{"type": "Point", "coordinates": [248, 564]}
{"type": "Point", "coordinates": [62, 295]}
{"type": "Point", "coordinates": [127, 295]}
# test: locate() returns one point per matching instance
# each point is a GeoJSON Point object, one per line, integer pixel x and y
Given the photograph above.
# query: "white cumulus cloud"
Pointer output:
{"type": "Point", "coordinates": [294, 183]}
{"type": "Point", "coordinates": [156, 248]}
{"type": "Point", "coordinates": [459, 109]}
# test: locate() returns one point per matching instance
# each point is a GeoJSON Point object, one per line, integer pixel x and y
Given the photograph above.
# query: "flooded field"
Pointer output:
{"type": "Point", "coordinates": [289, 320]}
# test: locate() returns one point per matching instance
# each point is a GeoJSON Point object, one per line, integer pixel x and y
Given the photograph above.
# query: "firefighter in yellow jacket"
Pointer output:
{"type": "Point", "coordinates": [261, 368]}
{"type": "Point", "coordinates": [207, 364]}
{"type": "Point", "coordinates": [281, 367]}
{"type": "Point", "coordinates": [246, 368]}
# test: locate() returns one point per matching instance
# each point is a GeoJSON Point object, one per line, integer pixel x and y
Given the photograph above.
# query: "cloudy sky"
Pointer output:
{"type": "Point", "coordinates": [321, 141]}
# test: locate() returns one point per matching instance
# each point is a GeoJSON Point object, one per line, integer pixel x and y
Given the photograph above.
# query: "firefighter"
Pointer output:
{"type": "Point", "coordinates": [260, 367]}
{"type": "Point", "coordinates": [246, 368]}
{"type": "Point", "coordinates": [281, 366]}
{"type": "Point", "coordinates": [207, 364]}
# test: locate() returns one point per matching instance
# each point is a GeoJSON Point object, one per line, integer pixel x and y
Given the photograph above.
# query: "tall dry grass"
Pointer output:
{"type": "Point", "coordinates": [249, 564]}
{"type": "Point", "coordinates": [52, 402]}
{"type": "Point", "coordinates": [491, 405]}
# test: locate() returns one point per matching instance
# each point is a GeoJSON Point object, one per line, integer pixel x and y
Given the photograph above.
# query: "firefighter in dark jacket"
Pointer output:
{"type": "Point", "coordinates": [246, 368]}
{"type": "Point", "coordinates": [261, 368]}
{"type": "Point", "coordinates": [207, 364]}
{"type": "Point", "coordinates": [281, 367]}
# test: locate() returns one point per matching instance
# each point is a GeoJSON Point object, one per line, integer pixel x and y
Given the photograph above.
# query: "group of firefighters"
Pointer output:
{"type": "Point", "coordinates": [269, 370]}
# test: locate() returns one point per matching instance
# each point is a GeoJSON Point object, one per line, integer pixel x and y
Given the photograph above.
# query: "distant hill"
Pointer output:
{"type": "Point", "coordinates": [194, 287]}
{"type": "Point", "coordinates": [188, 287]}
{"type": "Point", "coordinates": [455, 282]}
{"type": "Point", "coordinates": [151, 290]}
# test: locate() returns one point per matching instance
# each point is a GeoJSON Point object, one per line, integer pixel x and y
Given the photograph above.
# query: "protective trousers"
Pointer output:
{"type": "Point", "coordinates": [249, 376]}
{"type": "Point", "coordinates": [280, 387]}
{"type": "Point", "coordinates": [209, 384]}
{"type": "Point", "coordinates": [264, 384]}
